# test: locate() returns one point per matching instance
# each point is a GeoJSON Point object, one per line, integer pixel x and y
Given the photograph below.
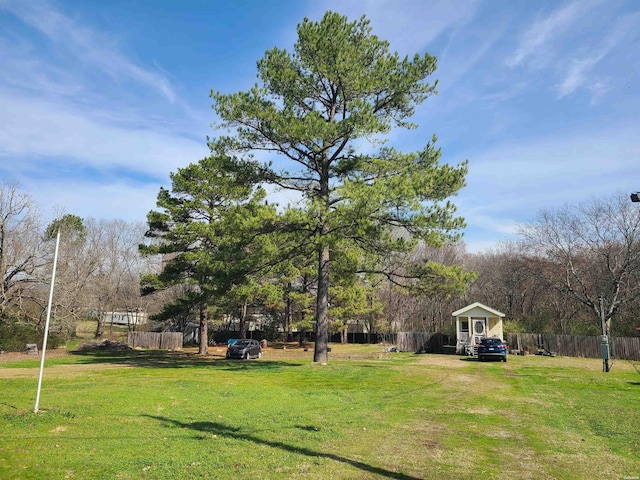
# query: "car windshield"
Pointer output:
{"type": "Point", "coordinates": [243, 343]}
{"type": "Point", "coordinates": [491, 341]}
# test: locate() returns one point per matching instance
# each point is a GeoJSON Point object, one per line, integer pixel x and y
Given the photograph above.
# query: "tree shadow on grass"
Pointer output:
{"type": "Point", "coordinates": [220, 429]}
{"type": "Point", "coordinates": [168, 359]}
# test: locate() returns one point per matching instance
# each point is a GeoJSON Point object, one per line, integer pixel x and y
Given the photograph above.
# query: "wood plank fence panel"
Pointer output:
{"type": "Point", "coordinates": [410, 341]}
{"type": "Point", "coordinates": [622, 348]}
{"type": "Point", "coordinates": [171, 340]}
{"type": "Point", "coordinates": [423, 341]}
{"type": "Point", "coordinates": [155, 340]}
{"type": "Point", "coordinates": [626, 348]}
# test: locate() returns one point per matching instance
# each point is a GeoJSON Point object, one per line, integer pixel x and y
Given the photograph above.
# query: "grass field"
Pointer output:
{"type": "Point", "coordinates": [368, 414]}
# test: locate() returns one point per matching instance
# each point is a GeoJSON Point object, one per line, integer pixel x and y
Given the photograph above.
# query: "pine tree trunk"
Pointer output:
{"type": "Point", "coordinates": [322, 299]}
{"type": "Point", "coordinates": [322, 307]}
{"type": "Point", "coordinates": [243, 320]}
{"type": "Point", "coordinates": [204, 334]}
{"type": "Point", "coordinates": [287, 312]}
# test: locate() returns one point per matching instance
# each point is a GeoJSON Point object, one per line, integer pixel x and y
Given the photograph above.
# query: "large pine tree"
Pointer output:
{"type": "Point", "coordinates": [311, 111]}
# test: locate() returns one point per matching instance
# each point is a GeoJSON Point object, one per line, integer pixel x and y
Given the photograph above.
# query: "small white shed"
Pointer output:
{"type": "Point", "coordinates": [474, 322]}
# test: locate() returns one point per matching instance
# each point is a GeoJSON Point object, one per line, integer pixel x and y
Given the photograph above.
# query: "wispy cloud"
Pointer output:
{"type": "Point", "coordinates": [572, 44]}
{"type": "Point", "coordinates": [122, 200]}
{"type": "Point", "coordinates": [561, 158]}
{"type": "Point", "coordinates": [91, 124]}
{"type": "Point", "coordinates": [537, 37]}
{"type": "Point", "coordinates": [408, 25]}
{"type": "Point", "coordinates": [456, 65]}
{"type": "Point", "coordinates": [577, 75]}
{"type": "Point", "coordinates": [23, 70]}
{"type": "Point", "coordinates": [88, 46]}
{"type": "Point", "coordinates": [77, 124]}
{"type": "Point", "coordinates": [31, 128]}
{"type": "Point", "coordinates": [578, 72]}
{"type": "Point", "coordinates": [511, 182]}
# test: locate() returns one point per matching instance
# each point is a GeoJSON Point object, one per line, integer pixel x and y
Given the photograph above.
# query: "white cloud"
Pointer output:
{"type": "Point", "coordinates": [456, 67]}
{"type": "Point", "coordinates": [117, 200]}
{"type": "Point", "coordinates": [77, 128]}
{"type": "Point", "coordinates": [479, 246]}
{"type": "Point", "coordinates": [75, 104]}
{"type": "Point", "coordinates": [475, 217]}
{"type": "Point", "coordinates": [563, 158]}
{"type": "Point", "coordinates": [534, 42]}
{"type": "Point", "coordinates": [282, 197]}
{"type": "Point", "coordinates": [408, 25]}
{"type": "Point", "coordinates": [32, 129]}
{"type": "Point", "coordinates": [96, 50]}
{"type": "Point", "coordinates": [573, 43]}
{"type": "Point", "coordinates": [23, 70]}
{"type": "Point", "coordinates": [598, 89]}
{"type": "Point", "coordinates": [577, 75]}
{"type": "Point", "coordinates": [510, 183]}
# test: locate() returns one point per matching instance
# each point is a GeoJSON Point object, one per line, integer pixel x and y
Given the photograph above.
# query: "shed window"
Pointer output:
{"type": "Point", "coordinates": [464, 326]}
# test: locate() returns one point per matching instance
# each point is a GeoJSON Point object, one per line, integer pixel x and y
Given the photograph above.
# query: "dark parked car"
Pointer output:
{"type": "Point", "coordinates": [244, 349]}
{"type": "Point", "coordinates": [492, 348]}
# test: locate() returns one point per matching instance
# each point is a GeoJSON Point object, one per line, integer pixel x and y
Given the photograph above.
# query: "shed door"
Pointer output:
{"type": "Point", "coordinates": [479, 328]}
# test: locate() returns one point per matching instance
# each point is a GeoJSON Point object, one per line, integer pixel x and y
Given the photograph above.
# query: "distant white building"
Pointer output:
{"type": "Point", "coordinates": [125, 318]}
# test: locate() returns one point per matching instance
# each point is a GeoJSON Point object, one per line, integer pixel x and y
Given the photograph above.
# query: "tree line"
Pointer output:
{"type": "Point", "coordinates": [590, 266]}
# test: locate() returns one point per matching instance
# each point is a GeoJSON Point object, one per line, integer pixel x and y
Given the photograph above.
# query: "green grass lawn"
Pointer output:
{"type": "Point", "coordinates": [367, 414]}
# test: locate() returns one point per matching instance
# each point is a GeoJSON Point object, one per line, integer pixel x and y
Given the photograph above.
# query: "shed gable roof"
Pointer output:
{"type": "Point", "coordinates": [464, 310]}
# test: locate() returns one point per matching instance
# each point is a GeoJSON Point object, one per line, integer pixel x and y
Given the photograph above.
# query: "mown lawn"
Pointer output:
{"type": "Point", "coordinates": [368, 414]}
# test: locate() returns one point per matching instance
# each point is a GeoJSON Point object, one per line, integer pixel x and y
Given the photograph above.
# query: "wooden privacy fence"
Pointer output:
{"type": "Point", "coordinates": [424, 342]}
{"type": "Point", "coordinates": [155, 340]}
{"type": "Point", "coordinates": [622, 348]}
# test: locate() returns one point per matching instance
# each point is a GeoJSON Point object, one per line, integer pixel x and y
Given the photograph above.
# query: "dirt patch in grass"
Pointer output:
{"type": "Point", "coordinates": [20, 356]}
{"type": "Point", "coordinates": [67, 371]}
{"type": "Point", "coordinates": [449, 361]}
{"type": "Point", "coordinates": [105, 346]}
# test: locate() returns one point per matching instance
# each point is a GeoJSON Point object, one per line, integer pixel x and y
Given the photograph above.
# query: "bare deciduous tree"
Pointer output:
{"type": "Point", "coordinates": [98, 270]}
{"type": "Point", "coordinates": [21, 252]}
{"type": "Point", "coordinates": [593, 250]}
{"type": "Point", "coordinates": [117, 267]}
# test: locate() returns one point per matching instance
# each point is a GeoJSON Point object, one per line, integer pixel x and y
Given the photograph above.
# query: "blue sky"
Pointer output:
{"type": "Point", "coordinates": [100, 101]}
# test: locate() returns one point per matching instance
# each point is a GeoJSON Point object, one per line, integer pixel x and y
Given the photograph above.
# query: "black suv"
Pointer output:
{"type": "Point", "coordinates": [492, 348]}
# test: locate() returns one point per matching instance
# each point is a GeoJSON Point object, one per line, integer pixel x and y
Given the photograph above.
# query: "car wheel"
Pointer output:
{"type": "Point", "coordinates": [504, 359]}
{"type": "Point", "coordinates": [246, 356]}
{"type": "Point", "coordinates": [259, 354]}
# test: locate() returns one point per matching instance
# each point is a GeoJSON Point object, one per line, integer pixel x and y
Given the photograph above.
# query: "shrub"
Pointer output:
{"type": "Point", "coordinates": [14, 336]}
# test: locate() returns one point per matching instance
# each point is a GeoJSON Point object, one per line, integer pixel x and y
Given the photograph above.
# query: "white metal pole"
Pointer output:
{"type": "Point", "coordinates": [46, 325]}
